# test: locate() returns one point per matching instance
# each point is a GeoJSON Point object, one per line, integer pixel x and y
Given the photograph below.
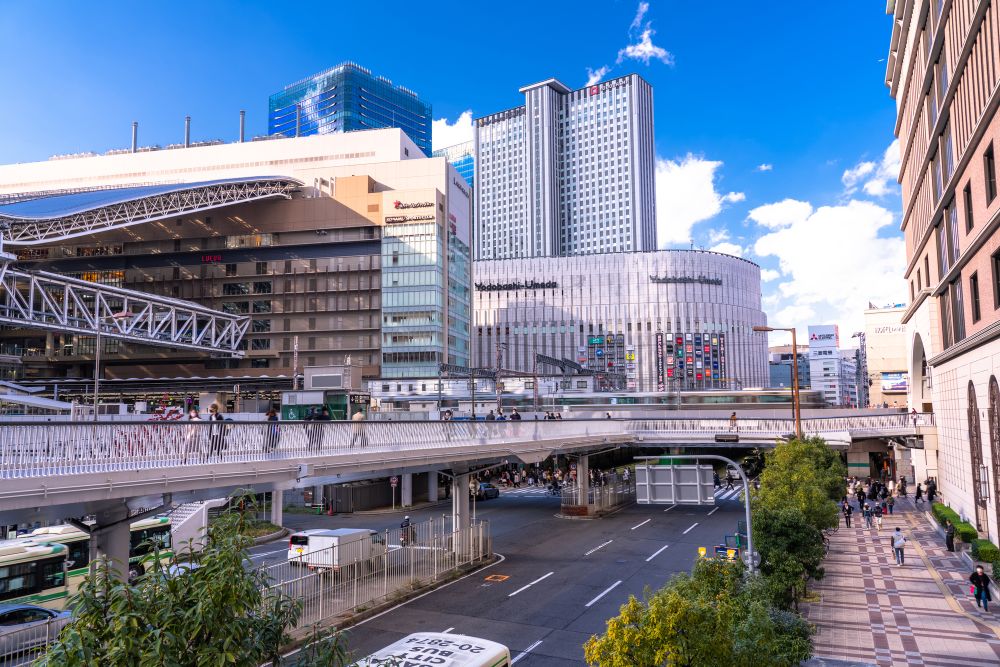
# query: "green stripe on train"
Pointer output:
{"type": "Point", "coordinates": [80, 571]}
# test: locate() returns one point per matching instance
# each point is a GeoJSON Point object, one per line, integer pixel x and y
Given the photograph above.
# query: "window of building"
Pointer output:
{"type": "Point", "coordinates": [967, 200]}
{"type": "Point", "coordinates": [261, 326]}
{"type": "Point", "coordinates": [261, 268]}
{"type": "Point", "coordinates": [974, 296]}
{"type": "Point", "coordinates": [990, 174]}
{"type": "Point", "coordinates": [260, 344]}
{"type": "Point", "coordinates": [262, 306]}
{"type": "Point", "coordinates": [919, 284]}
{"type": "Point", "coordinates": [995, 263]}
{"type": "Point", "coordinates": [230, 269]}
{"type": "Point", "coordinates": [262, 287]}
{"type": "Point", "coordinates": [927, 269]}
{"type": "Point", "coordinates": [260, 363]}
{"type": "Point", "coordinates": [231, 289]}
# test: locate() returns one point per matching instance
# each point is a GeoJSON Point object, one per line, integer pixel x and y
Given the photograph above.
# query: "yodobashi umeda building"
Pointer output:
{"type": "Point", "coordinates": [649, 321]}
{"type": "Point", "coordinates": [365, 254]}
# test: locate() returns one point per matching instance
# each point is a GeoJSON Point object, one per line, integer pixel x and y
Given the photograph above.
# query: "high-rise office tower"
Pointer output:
{"type": "Point", "coordinates": [345, 98]}
{"type": "Point", "coordinates": [462, 158]}
{"type": "Point", "coordinates": [569, 173]}
{"type": "Point", "coordinates": [943, 69]}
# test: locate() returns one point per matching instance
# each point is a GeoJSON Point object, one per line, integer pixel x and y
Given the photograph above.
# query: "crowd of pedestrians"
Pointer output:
{"type": "Point", "coordinates": [876, 499]}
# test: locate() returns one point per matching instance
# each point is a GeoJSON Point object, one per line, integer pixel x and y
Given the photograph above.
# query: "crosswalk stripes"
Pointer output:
{"type": "Point", "coordinates": [526, 491]}
{"type": "Point", "coordinates": [723, 493]}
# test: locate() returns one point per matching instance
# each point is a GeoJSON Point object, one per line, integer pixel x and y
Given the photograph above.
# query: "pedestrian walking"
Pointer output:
{"type": "Point", "coordinates": [272, 431]}
{"type": "Point", "coordinates": [216, 431]}
{"type": "Point", "coordinates": [729, 481]}
{"type": "Point", "coordinates": [918, 498]}
{"type": "Point", "coordinates": [898, 543]}
{"type": "Point", "coordinates": [715, 479]}
{"type": "Point", "coordinates": [867, 514]}
{"type": "Point", "coordinates": [515, 416]}
{"type": "Point", "coordinates": [732, 423]}
{"type": "Point", "coordinates": [878, 517]}
{"type": "Point", "coordinates": [931, 491]}
{"type": "Point", "coordinates": [861, 499]}
{"type": "Point", "coordinates": [491, 417]}
{"type": "Point", "coordinates": [949, 535]}
{"type": "Point", "coordinates": [890, 502]}
{"type": "Point", "coordinates": [846, 509]}
{"type": "Point", "coordinates": [981, 588]}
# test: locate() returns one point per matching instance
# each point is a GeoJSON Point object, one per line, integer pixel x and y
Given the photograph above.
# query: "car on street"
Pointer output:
{"type": "Point", "coordinates": [487, 491]}
{"type": "Point", "coordinates": [28, 628]}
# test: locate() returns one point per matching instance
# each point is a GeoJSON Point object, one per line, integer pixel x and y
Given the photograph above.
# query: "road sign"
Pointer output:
{"type": "Point", "coordinates": [702, 552]}
{"type": "Point", "coordinates": [393, 481]}
{"type": "Point", "coordinates": [756, 558]}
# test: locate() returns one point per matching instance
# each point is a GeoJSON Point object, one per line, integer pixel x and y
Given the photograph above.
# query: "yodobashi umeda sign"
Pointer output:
{"type": "Point", "coordinates": [505, 287]}
{"type": "Point", "coordinates": [668, 280]}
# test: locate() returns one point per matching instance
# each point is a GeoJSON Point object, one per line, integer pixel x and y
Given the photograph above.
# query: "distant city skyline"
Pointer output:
{"type": "Point", "coordinates": [769, 167]}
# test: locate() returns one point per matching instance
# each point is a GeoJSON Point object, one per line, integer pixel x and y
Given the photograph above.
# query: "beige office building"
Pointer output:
{"type": "Point", "coordinates": [885, 356]}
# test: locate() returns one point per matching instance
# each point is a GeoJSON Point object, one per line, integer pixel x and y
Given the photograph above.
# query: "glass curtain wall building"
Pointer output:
{"type": "Point", "coordinates": [346, 98]}
{"type": "Point", "coordinates": [462, 158]}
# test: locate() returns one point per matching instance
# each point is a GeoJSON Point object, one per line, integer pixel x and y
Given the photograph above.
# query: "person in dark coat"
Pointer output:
{"type": "Point", "coordinates": [949, 535]}
{"type": "Point", "coordinates": [981, 588]}
{"type": "Point", "coordinates": [919, 497]}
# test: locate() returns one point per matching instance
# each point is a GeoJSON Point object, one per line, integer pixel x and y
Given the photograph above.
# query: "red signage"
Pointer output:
{"type": "Point", "coordinates": [211, 259]}
{"type": "Point", "coordinates": [594, 90]}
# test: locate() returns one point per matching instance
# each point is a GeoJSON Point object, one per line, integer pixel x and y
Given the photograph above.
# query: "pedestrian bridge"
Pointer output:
{"type": "Point", "coordinates": [63, 463]}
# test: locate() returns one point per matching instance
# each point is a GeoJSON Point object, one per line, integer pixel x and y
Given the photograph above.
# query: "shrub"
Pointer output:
{"type": "Point", "coordinates": [966, 532]}
{"type": "Point", "coordinates": [942, 512]}
{"type": "Point", "coordinates": [985, 551]}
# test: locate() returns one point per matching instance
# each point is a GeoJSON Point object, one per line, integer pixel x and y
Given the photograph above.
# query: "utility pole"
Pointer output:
{"type": "Point", "coordinates": [496, 381]}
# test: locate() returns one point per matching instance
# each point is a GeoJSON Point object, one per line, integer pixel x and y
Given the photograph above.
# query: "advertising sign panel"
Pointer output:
{"type": "Point", "coordinates": [899, 381]}
{"type": "Point", "coordinates": [661, 383]}
{"type": "Point", "coordinates": [824, 336]}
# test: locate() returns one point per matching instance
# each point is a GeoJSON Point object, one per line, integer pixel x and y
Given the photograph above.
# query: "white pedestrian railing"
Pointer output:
{"type": "Point", "coordinates": [43, 449]}
{"type": "Point", "coordinates": [22, 646]}
{"type": "Point", "coordinates": [431, 551]}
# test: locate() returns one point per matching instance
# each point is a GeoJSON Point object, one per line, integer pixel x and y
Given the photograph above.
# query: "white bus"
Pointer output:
{"type": "Point", "coordinates": [441, 649]}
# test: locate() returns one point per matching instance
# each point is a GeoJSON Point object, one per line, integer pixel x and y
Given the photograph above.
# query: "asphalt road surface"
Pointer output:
{"type": "Point", "coordinates": [562, 578]}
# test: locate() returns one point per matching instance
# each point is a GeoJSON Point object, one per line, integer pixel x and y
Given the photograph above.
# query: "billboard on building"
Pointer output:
{"type": "Point", "coordinates": [824, 336]}
{"type": "Point", "coordinates": [898, 381]}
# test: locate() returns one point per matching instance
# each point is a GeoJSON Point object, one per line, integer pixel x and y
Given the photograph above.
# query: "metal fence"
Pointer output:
{"type": "Point", "coordinates": [40, 449]}
{"type": "Point", "coordinates": [24, 645]}
{"type": "Point", "coordinates": [431, 551]}
{"type": "Point", "coordinates": [601, 498]}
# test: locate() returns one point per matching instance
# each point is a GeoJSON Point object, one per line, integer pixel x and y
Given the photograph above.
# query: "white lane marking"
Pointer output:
{"type": "Point", "coordinates": [658, 552]}
{"type": "Point", "coordinates": [268, 553]}
{"type": "Point", "coordinates": [444, 632]}
{"type": "Point", "coordinates": [641, 524]}
{"type": "Point", "coordinates": [525, 652]}
{"type": "Point", "coordinates": [524, 588]}
{"type": "Point", "coordinates": [605, 592]}
{"type": "Point", "coordinates": [600, 546]}
{"type": "Point", "coordinates": [690, 529]}
{"type": "Point", "coordinates": [713, 511]}
{"type": "Point", "coordinates": [670, 508]}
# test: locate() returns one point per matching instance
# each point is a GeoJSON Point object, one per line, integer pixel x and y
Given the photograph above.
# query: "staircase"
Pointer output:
{"type": "Point", "coordinates": [189, 522]}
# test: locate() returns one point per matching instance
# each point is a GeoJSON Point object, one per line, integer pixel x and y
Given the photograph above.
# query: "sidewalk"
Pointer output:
{"type": "Point", "coordinates": [872, 611]}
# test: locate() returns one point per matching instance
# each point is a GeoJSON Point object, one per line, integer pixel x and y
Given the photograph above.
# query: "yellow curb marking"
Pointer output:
{"type": "Point", "coordinates": [945, 591]}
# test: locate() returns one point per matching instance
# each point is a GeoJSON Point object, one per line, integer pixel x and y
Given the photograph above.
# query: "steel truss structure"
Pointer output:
{"type": "Point", "coordinates": [48, 301]}
{"type": "Point", "coordinates": [170, 202]}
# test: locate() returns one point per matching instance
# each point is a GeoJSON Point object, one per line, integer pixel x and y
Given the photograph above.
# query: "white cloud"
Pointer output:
{"type": "Point", "coordinates": [780, 214]}
{"type": "Point", "coordinates": [728, 248]}
{"type": "Point", "coordinates": [832, 259]}
{"type": "Point", "coordinates": [639, 14]}
{"type": "Point", "coordinates": [718, 235]}
{"type": "Point", "coordinates": [765, 167]}
{"type": "Point", "coordinates": [686, 195]}
{"type": "Point", "coordinates": [877, 180]}
{"type": "Point", "coordinates": [594, 76]}
{"type": "Point", "coordinates": [645, 50]}
{"type": "Point", "coordinates": [767, 275]}
{"type": "Point", "coordinates": [445, 134]}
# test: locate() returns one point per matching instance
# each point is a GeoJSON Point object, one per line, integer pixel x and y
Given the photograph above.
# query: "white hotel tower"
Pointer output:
{"type": "Point", "coordinates": [568, 173]}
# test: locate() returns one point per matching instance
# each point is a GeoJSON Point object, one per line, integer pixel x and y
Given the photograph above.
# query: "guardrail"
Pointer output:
{"type": "Point", "coordinates": [433, 550]}
{"type": "Point", "coordinates": [22, 646]}
{"type": "Point", "coordinates": [43, 449]}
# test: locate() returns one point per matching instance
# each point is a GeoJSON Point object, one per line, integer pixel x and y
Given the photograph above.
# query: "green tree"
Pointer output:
{"type": "Point", "coordinates": [804, 474]}
{"type": "Point", "coordinates": [716, 615]}
{"type": "Point", "coordinates": [219, 613]}
{"type": "Point", "coordinates": [791, 551]}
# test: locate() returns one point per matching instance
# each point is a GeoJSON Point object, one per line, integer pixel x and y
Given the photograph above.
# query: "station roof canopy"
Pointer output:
{"type": "Point", "coordinates": [59, 216]}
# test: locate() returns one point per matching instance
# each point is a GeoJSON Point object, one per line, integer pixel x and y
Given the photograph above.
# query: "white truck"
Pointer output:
{"type": "Point", "coordinates": [335, 550]}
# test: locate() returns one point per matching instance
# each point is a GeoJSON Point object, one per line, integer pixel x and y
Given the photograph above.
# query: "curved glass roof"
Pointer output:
{"type": "Point", "coordinates": [61, 206]}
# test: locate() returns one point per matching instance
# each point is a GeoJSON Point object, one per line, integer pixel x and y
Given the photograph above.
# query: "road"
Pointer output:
{"type": "Point", "coordinates": [563, 578]}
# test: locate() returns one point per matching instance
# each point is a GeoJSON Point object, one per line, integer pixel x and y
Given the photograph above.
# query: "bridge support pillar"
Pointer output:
{"type": "Point", "coordinates": [432, 486]}
{"type": "Point", "coordinates": [406, 490]}
{"type": "Point", "coordinates": [583, 480]}
{"type": "Point", "coordinates": [277, 506]}
{"type": "Point", "coordinates": [460, 519]}
{"type": "Point", "coordinates": [110, 537]}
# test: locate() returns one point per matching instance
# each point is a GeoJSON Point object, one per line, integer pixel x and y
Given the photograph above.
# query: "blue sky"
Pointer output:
{"type": "Point", "coordinates": [772, 119]}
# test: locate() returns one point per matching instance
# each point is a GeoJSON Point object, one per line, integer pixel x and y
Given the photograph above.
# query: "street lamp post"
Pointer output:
{"type": "Point", "coordinates": [501, 348]}
{"type": "Point", "coordinates": [97, 353]}
{"type": "Point", "coordinates": [796, 399]}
